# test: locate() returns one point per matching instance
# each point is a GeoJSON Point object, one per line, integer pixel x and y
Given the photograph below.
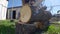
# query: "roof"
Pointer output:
{"type": "Point", "coordinates": [15, 7]}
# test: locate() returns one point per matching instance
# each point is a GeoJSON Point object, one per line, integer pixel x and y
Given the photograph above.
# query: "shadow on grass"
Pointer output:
{"type": "Point", "coordinates": [7, 29]}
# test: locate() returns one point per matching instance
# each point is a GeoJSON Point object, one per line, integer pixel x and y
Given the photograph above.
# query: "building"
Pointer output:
{"type": "Point", "coordinates": [3, 9]}
{"type": "Point", "coordinates": [13, 12]}
{"type": "Point", "coordinates": [56, 17]}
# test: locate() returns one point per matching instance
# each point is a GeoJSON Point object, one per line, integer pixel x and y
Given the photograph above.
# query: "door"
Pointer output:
{"type": "Point", "coordinates": [14, 14]}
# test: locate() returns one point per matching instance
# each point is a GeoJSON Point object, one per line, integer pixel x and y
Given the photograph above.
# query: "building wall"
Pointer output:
{"type": "Point", "coordinates": [55, 18]}
{"type": "Point", "coordinates": [10, 12]}
{"type": "Point", "coordinates": [3, 9]}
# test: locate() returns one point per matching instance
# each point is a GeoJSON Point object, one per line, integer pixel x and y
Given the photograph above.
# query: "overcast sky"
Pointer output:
{"type": "Point", "coordinates": [48, 3]}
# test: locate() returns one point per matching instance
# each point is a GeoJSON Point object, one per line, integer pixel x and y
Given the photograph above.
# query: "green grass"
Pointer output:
{"type": "Point", "coordinates": [7, 27]}
{"type": "Point", "coordinates": [53, 29]}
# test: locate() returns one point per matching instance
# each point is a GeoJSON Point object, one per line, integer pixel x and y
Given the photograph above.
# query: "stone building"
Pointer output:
{"type": "Point", "coordinates": [13, 12]}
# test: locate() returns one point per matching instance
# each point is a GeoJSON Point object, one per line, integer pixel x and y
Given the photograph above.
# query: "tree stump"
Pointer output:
{"type": "Point", "coordinates": [25, 28]}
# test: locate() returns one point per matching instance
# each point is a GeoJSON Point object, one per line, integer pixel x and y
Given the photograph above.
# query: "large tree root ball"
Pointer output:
{"type": "Point", "coordinates": [28, 17]}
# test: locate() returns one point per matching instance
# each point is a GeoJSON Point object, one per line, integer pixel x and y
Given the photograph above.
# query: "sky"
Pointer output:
{"type": "Point", "coordinates": [14, 3]}
{"type": "Point", "coordinates": [48, 3]}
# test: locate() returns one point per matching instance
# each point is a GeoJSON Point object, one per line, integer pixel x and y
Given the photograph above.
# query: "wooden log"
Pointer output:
{"type": "Point", "coordinates": [30, 13]}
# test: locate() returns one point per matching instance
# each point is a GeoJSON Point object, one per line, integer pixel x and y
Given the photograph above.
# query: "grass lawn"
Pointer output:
{"type": "Point", "coordinates": [7, 27]}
